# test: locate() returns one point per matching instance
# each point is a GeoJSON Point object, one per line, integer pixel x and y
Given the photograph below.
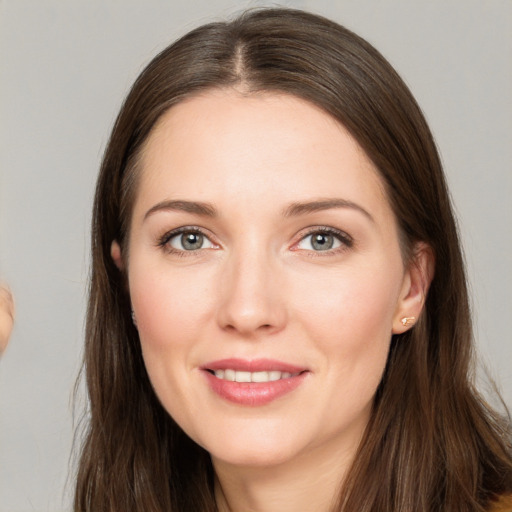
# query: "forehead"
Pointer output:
{"type": "Point", "coordinates": [223, 144]}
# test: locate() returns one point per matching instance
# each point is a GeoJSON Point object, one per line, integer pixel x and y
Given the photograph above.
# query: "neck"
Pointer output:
{"type": "Point", "coordinates": [309, 482]}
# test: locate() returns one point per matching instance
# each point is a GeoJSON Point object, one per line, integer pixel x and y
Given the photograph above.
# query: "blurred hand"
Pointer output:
{"type": "Point", "coordinates": [6, 316]}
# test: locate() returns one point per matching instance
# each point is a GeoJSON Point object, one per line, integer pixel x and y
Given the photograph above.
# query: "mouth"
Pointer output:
{"type": "Point", "coordinates": [232, 375]}
{"type": "Point", "coordinates": [255, 382]}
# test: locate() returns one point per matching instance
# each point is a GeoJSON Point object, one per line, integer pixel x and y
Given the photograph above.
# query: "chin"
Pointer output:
{"type": "Point", "coordinates": [253, 449]}
{"type": "Point", "coordinates": [252, 457]}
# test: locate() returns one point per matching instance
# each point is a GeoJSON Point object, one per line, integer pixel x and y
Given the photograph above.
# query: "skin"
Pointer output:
{"type": "Point", "coordinates": [6, 316]}
{"type": "Point", "coordinates": [258, 288]}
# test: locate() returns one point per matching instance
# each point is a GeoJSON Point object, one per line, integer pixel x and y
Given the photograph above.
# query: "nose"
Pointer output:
{"type": "Point", "coordinates": [252, 298]}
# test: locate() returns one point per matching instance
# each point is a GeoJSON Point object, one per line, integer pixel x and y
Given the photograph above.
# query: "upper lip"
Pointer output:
{"type": "Point", "coordinates": [253, 365]}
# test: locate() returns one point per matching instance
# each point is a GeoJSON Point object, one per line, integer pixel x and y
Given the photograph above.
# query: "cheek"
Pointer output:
{"type": "Point", "coordinates": [172, 308]}
{"type": "Point", "coordinates": [350, 317]}
{"type": "Point", "coordinates": [351, 300]}
{"type": "Point", "coordinates": [168, 302]}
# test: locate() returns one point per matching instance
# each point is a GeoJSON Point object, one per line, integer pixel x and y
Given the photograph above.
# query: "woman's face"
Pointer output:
{"type": "Point", "coordinates": [265, 275]}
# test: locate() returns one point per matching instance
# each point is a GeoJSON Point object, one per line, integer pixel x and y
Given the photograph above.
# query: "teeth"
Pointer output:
{"type": "Point", "coordinates": [274, 375]}
{"type": "Point", "coordinates": [243, 377]}
{"type": "Point", "coordinates": [262, 376]}
{"type": "Point", "coordinates": [239, 376]}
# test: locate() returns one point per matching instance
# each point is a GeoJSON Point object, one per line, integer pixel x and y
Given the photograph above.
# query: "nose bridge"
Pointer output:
{"type": "Point", "coordinates": [251, 299]}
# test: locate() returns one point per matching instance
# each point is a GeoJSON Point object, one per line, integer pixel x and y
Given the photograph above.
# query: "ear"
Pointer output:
{"type": "Point", "coordinates": [416, 283]}
{"type": "Point", "coordinates": [115, 253]}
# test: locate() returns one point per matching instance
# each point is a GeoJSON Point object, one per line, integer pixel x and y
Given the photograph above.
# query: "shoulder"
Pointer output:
{"type": "Point", "coordinates": [504, 504]}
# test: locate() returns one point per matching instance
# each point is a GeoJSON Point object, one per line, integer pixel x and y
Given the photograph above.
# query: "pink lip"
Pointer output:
{"type": "Point", "coordinates": [253, 393]}
{"type": "Point", "coordinates": [254, 365]}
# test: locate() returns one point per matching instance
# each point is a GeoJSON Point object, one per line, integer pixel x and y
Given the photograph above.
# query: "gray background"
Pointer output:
{"type": "Point", "coordinates": [64, 69]}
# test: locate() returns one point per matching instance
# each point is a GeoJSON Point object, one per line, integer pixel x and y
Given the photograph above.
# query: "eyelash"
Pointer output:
{"type": "Point", "coordinates": [164, 240]}
{"type": "Point", "coordinates": [346, 240]}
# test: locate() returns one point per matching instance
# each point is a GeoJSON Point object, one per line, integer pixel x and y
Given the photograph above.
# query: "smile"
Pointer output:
{"type": "Point", "coordinates": [243, 376]}
{"type": "Point", "coordinates": [253, 383]}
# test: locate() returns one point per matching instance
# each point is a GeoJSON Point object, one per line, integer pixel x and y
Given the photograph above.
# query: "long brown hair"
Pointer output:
{"type": "Point", "coordinates": [432, 443]}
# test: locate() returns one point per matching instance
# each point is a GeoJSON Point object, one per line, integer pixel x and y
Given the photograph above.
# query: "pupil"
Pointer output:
{"type": "Point", "coordinates": [322, 242]}
{"type": "Point", "coordinates": [191, 241]}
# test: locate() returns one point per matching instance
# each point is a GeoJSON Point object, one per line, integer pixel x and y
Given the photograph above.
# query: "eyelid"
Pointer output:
{"type": "Point", "coordinates": [163, 241]}
{"type": "Point", "coordinates": [344, 238]}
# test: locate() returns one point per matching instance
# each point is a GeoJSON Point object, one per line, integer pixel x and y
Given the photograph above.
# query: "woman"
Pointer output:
{"type": "Point", "coordinates": [278, 314]}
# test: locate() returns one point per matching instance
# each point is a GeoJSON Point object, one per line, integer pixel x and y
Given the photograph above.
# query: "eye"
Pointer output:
{"type": "Point", "coordinates": [187, 240]}
{"type": "Point", "coordinates": [324, 240]}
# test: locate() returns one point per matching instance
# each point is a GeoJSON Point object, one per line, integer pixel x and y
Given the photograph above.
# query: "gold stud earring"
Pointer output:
{"type": "Point", "coordinates": [408, 320]}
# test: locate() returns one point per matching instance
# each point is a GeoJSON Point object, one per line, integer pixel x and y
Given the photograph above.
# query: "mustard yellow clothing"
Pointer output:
{"type": "Point", "coordinates": [504, 504]}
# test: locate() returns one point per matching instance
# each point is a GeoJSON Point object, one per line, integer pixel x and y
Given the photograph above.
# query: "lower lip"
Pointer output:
{"type": "Point", "coordinates": [254, 393]}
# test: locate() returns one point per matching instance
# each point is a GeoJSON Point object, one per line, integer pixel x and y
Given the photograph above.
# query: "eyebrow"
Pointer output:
{"type": "Point", "coordinates": [293, 210]}
{"type": "Point", "coordinates": [198, 208]}
{"type": "Point", "coordinates": [296, 209]}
